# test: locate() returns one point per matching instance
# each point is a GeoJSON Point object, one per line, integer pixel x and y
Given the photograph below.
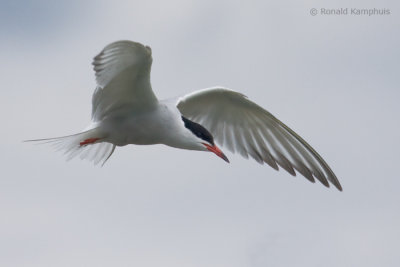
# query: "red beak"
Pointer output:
{"type": "Point", "coordinates": [217, 151]}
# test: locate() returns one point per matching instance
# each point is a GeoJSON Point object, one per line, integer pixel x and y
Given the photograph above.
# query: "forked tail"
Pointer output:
{"type": "Point", "coordinates": [88, 145]}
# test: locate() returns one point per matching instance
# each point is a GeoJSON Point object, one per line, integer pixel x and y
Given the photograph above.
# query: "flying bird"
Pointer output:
{"type": "Point", "coordinates": [125, 111]}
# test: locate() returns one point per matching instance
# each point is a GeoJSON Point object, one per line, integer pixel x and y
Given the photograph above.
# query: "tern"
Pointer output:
{"type": "Point", "coordinates": [126, 111]}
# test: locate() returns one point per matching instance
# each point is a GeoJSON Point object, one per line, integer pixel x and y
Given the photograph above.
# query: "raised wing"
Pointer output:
{"type": "Point", "coordinates": [244, 127]}
{"type": "Point", "coordinates": [123, 78]}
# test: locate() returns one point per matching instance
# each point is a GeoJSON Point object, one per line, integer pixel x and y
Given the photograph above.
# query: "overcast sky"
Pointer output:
{"type": "Point", "coordinates": [333, 79]}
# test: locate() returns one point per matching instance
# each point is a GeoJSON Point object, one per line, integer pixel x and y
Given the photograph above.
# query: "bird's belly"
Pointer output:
{"type": "Point", "coordinates": [135, 133]}
{"type": "Point", "coordinates": [142, 136]}
{"type": "Point", "coordinates": [146, 129]}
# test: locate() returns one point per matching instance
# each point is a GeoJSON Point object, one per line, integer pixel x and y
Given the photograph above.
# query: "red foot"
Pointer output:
{"type": "Point", "coordinates": [89, 141]}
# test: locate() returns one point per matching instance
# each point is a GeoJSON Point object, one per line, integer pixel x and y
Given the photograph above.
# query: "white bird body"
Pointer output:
{"type": "Point", "coordinates": [160, 124]}
{"type": "Point", "coordinates": [126, 111]}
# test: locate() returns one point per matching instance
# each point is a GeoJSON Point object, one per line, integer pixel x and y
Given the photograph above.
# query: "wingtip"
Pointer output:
{"type": "Point", "coordinates": [336, 185]}
{"type": "Point", "coordinates": [339, 187]}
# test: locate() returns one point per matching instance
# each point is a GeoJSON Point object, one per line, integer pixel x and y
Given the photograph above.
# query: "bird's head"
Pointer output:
{"type": "Point", "coordinates": [205, 138]}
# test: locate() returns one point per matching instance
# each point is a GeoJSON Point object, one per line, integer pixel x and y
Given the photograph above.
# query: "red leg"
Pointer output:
{"type": "Point", "coordinates": [88, 141]}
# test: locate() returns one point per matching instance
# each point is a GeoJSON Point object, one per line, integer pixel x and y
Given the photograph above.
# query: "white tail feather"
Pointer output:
{"type": "Point", "coordinates": [71, 146]}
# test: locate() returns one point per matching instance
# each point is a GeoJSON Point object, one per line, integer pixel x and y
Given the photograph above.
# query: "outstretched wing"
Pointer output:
{"type": "Point", "coordinates": [123, 78]}
{"type": "Point", "coordinates": [244, 127]}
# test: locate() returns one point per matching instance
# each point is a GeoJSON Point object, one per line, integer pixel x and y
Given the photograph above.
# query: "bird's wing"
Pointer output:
{"type": "Point", "coordinates": [123, 78]}
{"type": "Point", "coordinates": [245, 127]}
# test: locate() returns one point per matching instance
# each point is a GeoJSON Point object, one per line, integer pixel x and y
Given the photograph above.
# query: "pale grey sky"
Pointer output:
{"type": "Point", "coordinates": [333, 79]}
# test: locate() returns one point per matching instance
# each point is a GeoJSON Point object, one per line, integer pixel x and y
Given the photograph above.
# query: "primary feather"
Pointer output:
{"type": "Point", "coordinates": [244, 127]}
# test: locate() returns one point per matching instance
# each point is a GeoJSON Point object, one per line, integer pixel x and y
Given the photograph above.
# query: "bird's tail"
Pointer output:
{"type": "Point", "coordinates": [88, 145]}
